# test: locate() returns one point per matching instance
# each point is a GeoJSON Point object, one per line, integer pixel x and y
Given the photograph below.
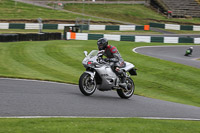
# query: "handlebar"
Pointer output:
{"type": "Point", "coordinates": [100, 57]}
{"type": "Point", "coordinates": [100, 60]}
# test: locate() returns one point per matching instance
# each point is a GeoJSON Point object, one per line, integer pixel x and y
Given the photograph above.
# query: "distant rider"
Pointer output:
{"type": "Point", "coordinates": [112, 55]}
{"type": "Point", "coordinates": [189, 51]}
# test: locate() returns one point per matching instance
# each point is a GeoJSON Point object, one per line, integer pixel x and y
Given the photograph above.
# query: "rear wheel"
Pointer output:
{"type": "Point", "coordinates": [127, 93]}
{"type": "Point", "coordinates": [86, 85]}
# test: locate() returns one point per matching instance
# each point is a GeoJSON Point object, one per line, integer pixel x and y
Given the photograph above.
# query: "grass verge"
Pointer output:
{"type": "Point", "coordinates": [138, 14]}
{"type": "Point", "coordinates": [61, 61]}
{"type": "Point", "coordinates": [97, 125]}
{"type": "Point", "coordinates": [11, 10]}
{"type": "Point", "coordinates": [84, 31]}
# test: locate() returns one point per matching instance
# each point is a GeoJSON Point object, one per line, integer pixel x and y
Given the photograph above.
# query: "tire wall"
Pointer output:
{"type": "Point", "coordinates": [30, 37]}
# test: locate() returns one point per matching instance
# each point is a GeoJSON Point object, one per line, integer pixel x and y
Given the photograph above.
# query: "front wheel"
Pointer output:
{"type": "Point", "coordinates": [86, 85]}
{"type": "Point", "coordinates": [127, 93]}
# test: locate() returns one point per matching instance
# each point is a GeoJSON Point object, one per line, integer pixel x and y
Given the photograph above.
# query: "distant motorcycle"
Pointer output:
{"type": "Point", "coordinates": [99, 75]}
{"type": "Point", "coordinates": [189, 51]}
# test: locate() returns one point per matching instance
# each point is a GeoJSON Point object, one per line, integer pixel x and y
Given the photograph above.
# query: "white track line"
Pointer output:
{"type": "Point", "coordinates": [156, 118]}
{"type": "Point", "coordinates": [134, 50]}
{"type": "Point", "coordinates": [34, 80]}
{"type": "Point", "coordinates": [26, 117]}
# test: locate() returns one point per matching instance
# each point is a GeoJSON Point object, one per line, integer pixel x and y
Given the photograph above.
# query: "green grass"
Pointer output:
{"type": "Point", "coordinates": [138, 14]}
{"type": "Point", "coordinates": [61, 61]}
{"type": "Point", "coordinates": [123, 12]}
{"type": "Point", "coordinates": [84, 31]}
{"type": "Point", "coordinates": [9, 10]}
{"type": "Point", "coordinates": [97, 125]}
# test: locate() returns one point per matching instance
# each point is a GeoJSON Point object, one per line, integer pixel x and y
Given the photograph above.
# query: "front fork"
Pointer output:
{"type": "Point", "coordinates": [92, 75]}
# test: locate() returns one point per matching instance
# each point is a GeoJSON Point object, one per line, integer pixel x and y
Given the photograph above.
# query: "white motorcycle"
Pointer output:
{"type": "Point", "coordinates": [99, 75]}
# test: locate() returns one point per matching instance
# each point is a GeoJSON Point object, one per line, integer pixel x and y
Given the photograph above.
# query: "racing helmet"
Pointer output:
{"type": "Point", "coordinates": [102, 43]}
{"type": "Point", "coordinates": [191, 47]}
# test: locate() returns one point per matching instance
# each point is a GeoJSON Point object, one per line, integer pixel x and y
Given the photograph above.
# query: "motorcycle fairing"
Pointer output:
{"type": "Point", "coordinates": [108, 78]}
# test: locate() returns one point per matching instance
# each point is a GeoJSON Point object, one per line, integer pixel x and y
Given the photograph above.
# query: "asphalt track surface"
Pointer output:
{"type": "Point", "coordinates": [172, 53]}
{"type": "Point", "coordinates": [35, 98]}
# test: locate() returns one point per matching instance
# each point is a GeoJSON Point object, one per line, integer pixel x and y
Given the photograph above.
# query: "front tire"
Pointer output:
{"type": "Point", "coordinates": [125, 94]}
{"type": "Point", "coordinates": [86, 85]}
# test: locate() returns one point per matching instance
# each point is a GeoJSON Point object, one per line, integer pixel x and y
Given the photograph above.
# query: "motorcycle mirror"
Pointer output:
{"type": "Point", "coordinates": [86, 53]}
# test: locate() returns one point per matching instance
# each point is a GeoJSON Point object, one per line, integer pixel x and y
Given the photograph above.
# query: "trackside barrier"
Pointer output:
{"type": "Point", "coordinates": [83, 27]}
{"type": "Point", "coordinates": [115, 27]}
{"type": "Point", "coordinates": [8, 37]}
{"type": "Point", "coordinates": [175, 26]}
{"type": "Point", "coordinates": [33, 26]}
{"type": "Point", "coordinates": [147, 39]}
{"type": "Point", "coordinates": [99, 27]}
{"type": "Point", "coordinates": [29, 37]}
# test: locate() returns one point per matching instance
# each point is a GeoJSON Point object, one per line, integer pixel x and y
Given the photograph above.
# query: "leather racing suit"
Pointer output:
{"type": "Point", "coordinates": [114, 56]}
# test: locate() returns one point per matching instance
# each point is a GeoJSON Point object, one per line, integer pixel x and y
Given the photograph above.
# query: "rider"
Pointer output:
{"type": "Point", "coordinates": [190, 50]}
{"type": "Point", "coordinates": [114, 56]}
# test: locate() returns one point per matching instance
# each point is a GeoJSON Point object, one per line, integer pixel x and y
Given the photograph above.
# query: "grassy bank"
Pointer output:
{"type": "Point", "coordinates": [138, 14]}
{"type": "Point", "coordinates": [10, 10]}
{"type": "Point", "coordinates": [61, 61]}
{"type": "Point", "coordinates": [97, 125]}
{"type": "Point", "coordinates": [123, 12]}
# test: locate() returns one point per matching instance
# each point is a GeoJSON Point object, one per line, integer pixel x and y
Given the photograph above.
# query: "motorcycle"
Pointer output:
{"type": "Point", "coordinates": [99, 75]}
{"type": "Point", "coordinates": [188, 52]}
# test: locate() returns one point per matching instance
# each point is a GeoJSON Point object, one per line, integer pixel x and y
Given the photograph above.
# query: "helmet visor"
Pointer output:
{"type": "Point", "coordinates": [100, 46]}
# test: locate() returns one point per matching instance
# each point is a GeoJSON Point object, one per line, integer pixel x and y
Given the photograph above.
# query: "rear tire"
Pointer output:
{"type": "Point", "coordinates": [125, 94]}
{"type": "Point", "coordinates": [86, 85]}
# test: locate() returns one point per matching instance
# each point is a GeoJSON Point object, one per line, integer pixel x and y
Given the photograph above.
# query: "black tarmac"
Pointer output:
{"type": "Point", "coordinates": [173, 53]}
{"type": "Point", "coordinates": [36, 98]}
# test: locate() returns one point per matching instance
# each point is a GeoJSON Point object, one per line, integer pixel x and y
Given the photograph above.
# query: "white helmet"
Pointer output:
{"type": "Point", "coordinates": [191, 47]}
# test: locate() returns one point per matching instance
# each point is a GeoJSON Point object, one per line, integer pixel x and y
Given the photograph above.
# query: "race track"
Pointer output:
{"type": "Point", "coordinates": [172, 53]}
{"type": "Point", "coordinates": [36, 98]}
{"type": "Point", "coordinates": [32, 98]}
